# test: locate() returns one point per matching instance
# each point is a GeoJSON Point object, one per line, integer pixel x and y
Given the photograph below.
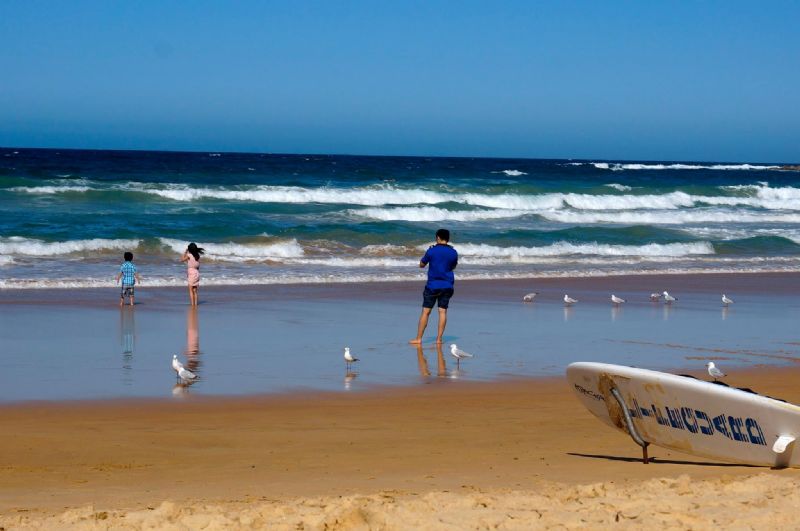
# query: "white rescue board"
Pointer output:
{"type": "Point", "coordinates": [691, 416]}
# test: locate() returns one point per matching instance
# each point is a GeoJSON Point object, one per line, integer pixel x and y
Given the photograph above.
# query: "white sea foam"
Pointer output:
{"type": "Point", "coordinates": [6, 260]}
{"type": "Point", "coordinates": [604, 268]}
{"type": "Point", "coordinates": [387, 249]}
{"type": "Point", "coordinates": [755, 196]}
{"type": "Point", "coordinates": [514, 173]}
{"type": "Point", "coordinates": [620, 187]}
{"type": "Point", "coordinates": [601, 249]}
{"type": "Point", "coordinates": [237, 252]}
{"type": "Point", "coordinates": [19, 246]}
{"type": "Point", "coordinates": [433, 214]}
{"type": "Point", "coordinates": [785, 198]}
{"type": "Point", "coordinates": [50, 190]}
{"type": "Point", "coordinates": [618, 166]}
{"type": "Point", "coordinates": [294, 194]}
{"type": "Point", "coordinates": [668, 217]}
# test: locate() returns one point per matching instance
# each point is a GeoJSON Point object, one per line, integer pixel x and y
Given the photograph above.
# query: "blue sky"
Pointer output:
{"type": "Point", "coordinates": [617, 80]}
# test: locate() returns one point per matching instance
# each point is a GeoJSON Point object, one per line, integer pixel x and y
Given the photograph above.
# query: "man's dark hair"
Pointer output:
{"type": "Point", "coordinates": [128, 256]}
{"type": "Point", "coordinates": [443, 234]}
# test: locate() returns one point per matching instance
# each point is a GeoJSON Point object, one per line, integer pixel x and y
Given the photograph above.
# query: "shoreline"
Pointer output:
{"type": "Point", "coordinates": [641, 281]}
{"type": "Point", "coordinates": [179, 284]}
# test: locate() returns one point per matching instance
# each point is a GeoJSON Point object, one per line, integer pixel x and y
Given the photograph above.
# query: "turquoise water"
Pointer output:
{"type": "Point", "coordinates": [66, 217]}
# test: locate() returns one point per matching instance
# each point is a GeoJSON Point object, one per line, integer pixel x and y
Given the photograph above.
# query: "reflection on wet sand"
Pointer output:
{"type": "Point", "coordinates": [422, 363]}
{"type": "Point", "coordinates": [348, 379]}
{"type": "Point", "coordinates": [567, 313]}
{"type": "Point", "coordinates": [127, 339]}
{"type": "Point", "coordinates": [192, 351]}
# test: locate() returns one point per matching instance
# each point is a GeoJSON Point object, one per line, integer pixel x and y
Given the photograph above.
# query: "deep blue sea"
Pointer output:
{"type": "Point", "coordinates": [66, 216]}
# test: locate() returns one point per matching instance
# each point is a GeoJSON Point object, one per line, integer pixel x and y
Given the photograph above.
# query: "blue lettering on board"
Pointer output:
{"type": "Point", "coordinates": [689, 420]}
{"type": "Point", "coordinates": [745, 430]}
{"type": "Point", "coordinates": [719, 424]}
{"type": "Point", "coordinates": [758, 436]}
{"type": "Point", "coordinates": [659, 417]}
{"type": "Point", "coordinates": [674, 418]}
{"type": "Point", "coordinates": [736, 429]}
{"type": "Point", "coordinates": [708, 429]}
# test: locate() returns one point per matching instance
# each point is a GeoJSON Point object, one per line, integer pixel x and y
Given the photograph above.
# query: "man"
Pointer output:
{"type": "Point", "coordinates": [441, 260]}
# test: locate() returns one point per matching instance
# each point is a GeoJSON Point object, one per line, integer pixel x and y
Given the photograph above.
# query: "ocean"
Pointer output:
{"type": "Point", "coordinates": [66, 217]}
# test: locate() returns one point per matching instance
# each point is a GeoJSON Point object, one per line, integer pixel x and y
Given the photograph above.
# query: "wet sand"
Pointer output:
{"type": "Point", "coordinates": [264, 339]}
{"type": "Point", "coordinates": [443, 454]}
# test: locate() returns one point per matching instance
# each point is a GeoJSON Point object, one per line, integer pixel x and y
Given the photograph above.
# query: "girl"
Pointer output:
{"type": "Point", "coordinates": [192, 258]}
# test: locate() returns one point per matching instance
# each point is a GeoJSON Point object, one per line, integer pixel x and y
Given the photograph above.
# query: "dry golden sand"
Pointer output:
{"type": "Point", "coordinates": [451, 455]}
{"type": "Point", "coordinates": [757, 502]}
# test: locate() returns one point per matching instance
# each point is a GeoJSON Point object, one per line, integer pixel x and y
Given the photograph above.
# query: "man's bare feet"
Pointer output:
{"type": "Point", "coordinates": [438, 341]}
{"type": "Point", "coordinates": [416, 341]}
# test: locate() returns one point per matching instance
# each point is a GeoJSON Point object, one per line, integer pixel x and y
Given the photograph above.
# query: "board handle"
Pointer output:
{"type": "Point", "coordinates": [629, 424]}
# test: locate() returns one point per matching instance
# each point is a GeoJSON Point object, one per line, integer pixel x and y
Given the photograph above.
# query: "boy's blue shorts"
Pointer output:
{"type": "Point", "coordinates": [432, 296]}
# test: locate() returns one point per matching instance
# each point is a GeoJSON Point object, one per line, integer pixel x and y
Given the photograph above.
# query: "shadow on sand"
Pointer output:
{"type": "Point", "coordinates": [658, 461]}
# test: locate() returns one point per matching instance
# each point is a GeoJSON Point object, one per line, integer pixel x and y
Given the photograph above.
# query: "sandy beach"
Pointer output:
{"type": "Point", "coordinates": [514, 455]}
{"type": "Point", "coordinates": [437, 449]}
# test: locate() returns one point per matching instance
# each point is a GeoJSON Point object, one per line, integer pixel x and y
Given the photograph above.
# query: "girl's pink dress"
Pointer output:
{"type": "Point", "coordinates": [193, 271]}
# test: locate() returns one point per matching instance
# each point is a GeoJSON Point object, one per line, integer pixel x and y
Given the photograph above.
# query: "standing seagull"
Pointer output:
{"type": "Point", "coordinates": [668, 299]}
{"type": "Point", "coordinates": [183, 373]}
{"type": "Point", "coordinates": [617, 300]}
{"type": "Point", "coordinates": [714, 372]}
{"type": "Point", "coordinates": [530, 296]}
{"type": "Point", "coordinates": [458, 354]}
{"type": "Point", "coordinates": [569, 301]}
{"type": "Point", "coordinates": [348, 358]}
{"type": "Point", "coordinates": [725, 300]}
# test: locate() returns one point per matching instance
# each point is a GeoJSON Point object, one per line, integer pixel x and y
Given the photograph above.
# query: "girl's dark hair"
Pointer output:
{"type": "Point", "coordinates": [195, 251]}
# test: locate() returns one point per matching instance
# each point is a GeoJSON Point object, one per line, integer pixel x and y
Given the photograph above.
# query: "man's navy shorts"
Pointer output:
{"type": "Point", "coordinates": [432, 296]}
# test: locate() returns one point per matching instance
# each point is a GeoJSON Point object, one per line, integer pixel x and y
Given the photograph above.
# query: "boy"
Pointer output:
{"type": "Point", "coordinates": [129, 276]}
{"type": "Point", "coordinates": [442, 259]}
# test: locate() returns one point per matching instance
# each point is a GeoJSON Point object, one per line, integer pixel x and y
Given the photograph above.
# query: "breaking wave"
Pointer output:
{"type": "Point", "coordinates": [668, 217]}
{"type": "Point", "coordinates": [597, 249]}
{"type": "Point", "coordinates": [236, 252]}
{"type": "Point", "coordinates": [619, 166]}
{"type": "Point", "coordinates": [16, 245]}
{"type": "Point", "coordinates": [759, 195]}
{"type": "Point", "coordinates": [433, 214]}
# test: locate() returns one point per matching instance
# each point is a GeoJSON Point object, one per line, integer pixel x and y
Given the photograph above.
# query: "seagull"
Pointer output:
{"type": "Point", "coordinates": [569, 300]}
{"type": "Point", "coordinates": [348, 358]}
{"type": "Point", "coordinates": [713, 371]}
{"type": "Point", "coordinates": [183, 373]}
{"type": "Point", "coordinates": [530, 296]}
{"type": "Point", "coordinates": [617, 300]}
{"type": "Point", "coordinates": [725, 300]}
{"type": "Point", "coordinates": [458, 354]}
{"type": "Point", "coordinates": [655, 296]}
{"type": "Point", "coordinates": [668, 299]}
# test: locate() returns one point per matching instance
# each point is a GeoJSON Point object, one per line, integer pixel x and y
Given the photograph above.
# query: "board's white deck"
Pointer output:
{"type": "Point", "coordinates": [691, 416]}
